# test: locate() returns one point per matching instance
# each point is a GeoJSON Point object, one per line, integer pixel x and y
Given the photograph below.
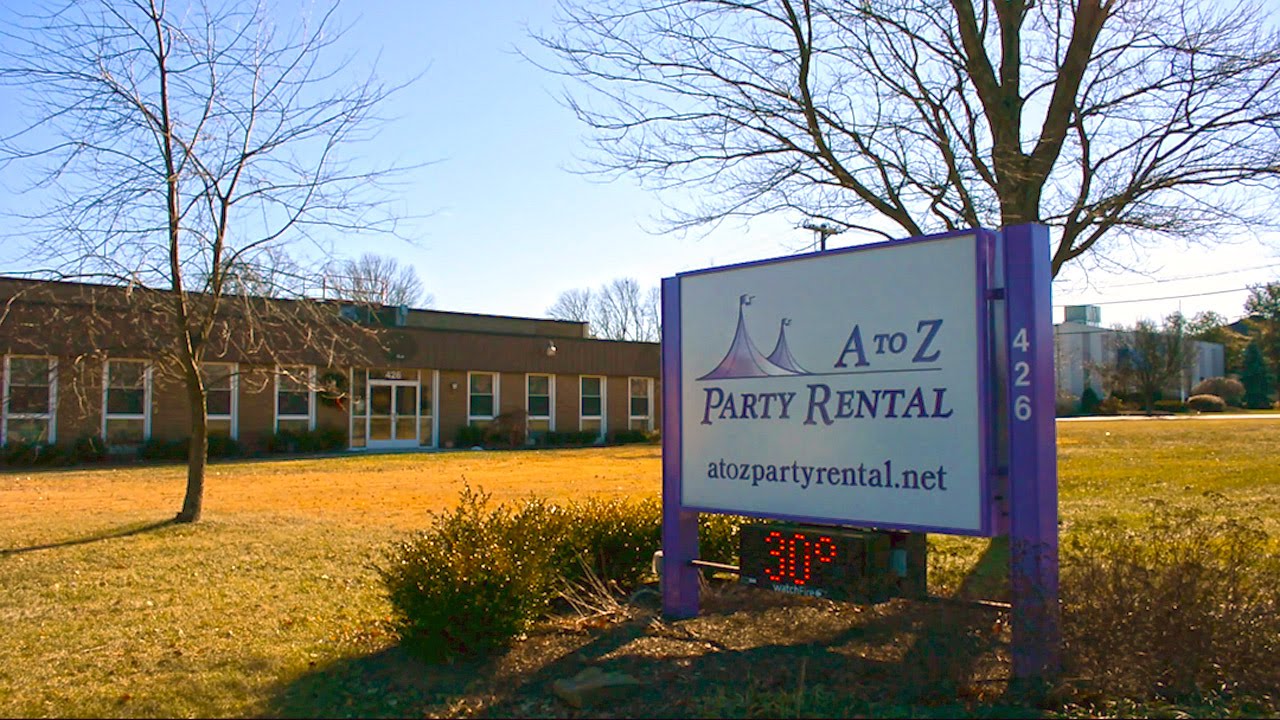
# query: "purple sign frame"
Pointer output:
{"type": "Point", "coordinates": [1033, 467]}
{"type": "Point", "coordinates": [1027, 512]}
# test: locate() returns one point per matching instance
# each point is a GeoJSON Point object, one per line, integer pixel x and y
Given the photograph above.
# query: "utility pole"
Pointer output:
{"type": "Point", "coordinates": [823, 231]}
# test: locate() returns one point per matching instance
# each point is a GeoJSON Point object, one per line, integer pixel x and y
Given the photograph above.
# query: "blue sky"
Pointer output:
{"type": "Point", "coordinates": [508, 226]}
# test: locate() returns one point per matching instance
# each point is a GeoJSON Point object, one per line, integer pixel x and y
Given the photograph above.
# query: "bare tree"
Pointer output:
{"type": "Point", "coordinates": [618, 313]}
{"type": "Point", "coordinates": [619, 310]}
{"type": "Point", "coordinates": [191, 146]}
{"type": "Point", "coordinates": [1116, 119]}
{"type": "Point", "coordinates": [575, 305]}
{"type": "Point", "coordinates": [1150, 357]}
{"type": "Point", "coordinates": [652, 314]}
{"type": "Point", "coordinates": [377, 279]}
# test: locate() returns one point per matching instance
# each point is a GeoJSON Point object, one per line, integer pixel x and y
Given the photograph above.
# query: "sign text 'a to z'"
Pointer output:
{"type": "Point", "coordinates": [823, 404]}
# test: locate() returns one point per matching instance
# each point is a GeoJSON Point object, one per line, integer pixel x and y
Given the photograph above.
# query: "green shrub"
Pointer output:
{"type": "Point", "coordinates": [1229, 389]}
{"type": "Point", "coordinates": [326, 438]}
{"type": "Point", "coordinates": [1089, 401]}
{"type": "Point", "coordinates": [1206, 403]}
{"type": "Point", "coordinates": [570, 439]}
{"type": "Point", "coordinates": [223, 446]}
{"type": "Point", "coordinates": [329, 438]}
{"type": "Point", "coordinates": [158, 449]}
{"type": "Point", "coordinates": [469, 436]}
{"type": "Point", "coordinates": [220, 446]}
{"type": "Point", "coordinates": [478, 577]}
{"type": "Point", "coordinates": [282, 441]}
{"type": "Point", "coordinates": [625, 437]}
{"type": "Point", "coordinates": [40, 454]}
{"type": "Point", "coordinates": [89, 448]}
{"type": "Point", "coordinates": [718, 537]}
{"type": "Point", "coordinates": [1173, 406]}
{"type": "Point", "coordinates": [474, 581]}
{"type": "Point", "coordinates": [615, 538]}
{"type": "Point", "coordinates": [19, 454]}
{"type": "Point", "coordinates": [1180, 606]}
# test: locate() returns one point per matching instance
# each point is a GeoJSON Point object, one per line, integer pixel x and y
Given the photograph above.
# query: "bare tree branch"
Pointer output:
{"type": "Point", "coordinates": [1110, 120]}
{"type": "Point", "coordinates": [378, 280]}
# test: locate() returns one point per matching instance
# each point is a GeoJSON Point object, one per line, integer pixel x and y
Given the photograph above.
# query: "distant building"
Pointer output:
{"type": "Point", "coordinates": [1081, 345]}
{"type": "Point", "coordinates": [90, 360]}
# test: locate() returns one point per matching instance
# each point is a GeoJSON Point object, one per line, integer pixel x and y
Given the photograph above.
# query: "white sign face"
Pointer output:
{"type": "Point", "coordinates": [842, 387]}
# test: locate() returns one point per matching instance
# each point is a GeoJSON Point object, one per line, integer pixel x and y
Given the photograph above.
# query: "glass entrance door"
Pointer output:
{"type": "Point", "coordinates": [393, 413]}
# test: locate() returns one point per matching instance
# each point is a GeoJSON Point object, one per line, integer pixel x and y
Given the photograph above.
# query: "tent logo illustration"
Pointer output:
{"type": "Point", "coordinates": [744, 359]}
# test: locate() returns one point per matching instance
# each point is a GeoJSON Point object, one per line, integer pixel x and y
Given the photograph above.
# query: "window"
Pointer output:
{"type": "Point", "coordinates": [482, 395]}
{"type": "Point", "coordinates": [127, 399]}
{"type": "Point", "coordinates": [591, 404]}
{"type": "Point", "coordinates": [295, 400]}
{"type": "Point", "coordinates": [220, 383]}
{"type": "Point", "coordinates": [30, 397]}
{"type": "Point", "coordinates": [539, 400]}
{"type": "Point", "coordinates": [640, 391]}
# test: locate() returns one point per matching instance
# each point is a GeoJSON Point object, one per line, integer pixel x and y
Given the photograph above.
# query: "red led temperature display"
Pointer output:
{"type": "Point", "coordinates": [824, 561]}
{"type": "Point", "coordinates": [796, 553]}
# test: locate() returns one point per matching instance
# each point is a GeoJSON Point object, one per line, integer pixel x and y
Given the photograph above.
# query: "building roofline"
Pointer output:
{"type": "Point", "coordinates": [267, 298]}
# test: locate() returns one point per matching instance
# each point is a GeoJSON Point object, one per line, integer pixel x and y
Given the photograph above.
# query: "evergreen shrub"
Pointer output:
{"type": "Point", "coordinates": [1089, 401]}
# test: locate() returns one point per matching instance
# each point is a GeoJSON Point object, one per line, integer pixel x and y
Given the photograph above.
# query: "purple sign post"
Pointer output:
{"type": "Point", "coordinates": [876, 408]}
{"type": "Point", "coordinates": [679, 526]}
{"type": "Point", "coordinates": [1033, 470]}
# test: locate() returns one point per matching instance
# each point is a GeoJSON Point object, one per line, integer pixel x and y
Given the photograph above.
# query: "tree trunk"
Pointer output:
{"type": "Point", "coordinates": [198, 453]}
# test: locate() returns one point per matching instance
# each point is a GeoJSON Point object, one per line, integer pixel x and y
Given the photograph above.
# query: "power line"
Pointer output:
{"type": "Point", "coordinates": [1156, 281]}
{"type": "Point", "coordinates": [1157, 299]}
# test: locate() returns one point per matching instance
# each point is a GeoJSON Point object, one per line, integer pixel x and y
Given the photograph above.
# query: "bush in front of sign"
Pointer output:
{"type": "Point", "coordinates": [480, 576]}
{"type": "Point", "coordinates": [615, 540]}
{"type": "Point", "coordinates": [472, 582]}
{"type": "Point", "coordinates": [718, 537]}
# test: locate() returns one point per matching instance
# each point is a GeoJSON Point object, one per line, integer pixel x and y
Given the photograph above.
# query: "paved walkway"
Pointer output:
{"type": "Point", "coordinates": [1180, 416]}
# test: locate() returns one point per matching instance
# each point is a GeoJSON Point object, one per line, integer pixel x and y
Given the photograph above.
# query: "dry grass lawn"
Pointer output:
{"type": "Point", "coordinates": [270, 605]}
{"type": "Point", "coordinates": [389, 491]}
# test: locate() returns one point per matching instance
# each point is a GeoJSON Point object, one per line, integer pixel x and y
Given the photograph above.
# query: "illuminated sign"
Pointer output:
{"type": "Point", "coordinates": [843, 387]}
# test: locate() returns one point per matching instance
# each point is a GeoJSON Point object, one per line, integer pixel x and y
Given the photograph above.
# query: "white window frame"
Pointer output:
{"type": "Point", "coordinates": [648, 418]}
{"type": "Point", "coordinates": [435, 407]}
{"type": "Point", "coordinates": [310, 417]}
{"type": "Point", "coordinates": [603, 417]}
{"type": "Point", "coordinates": [145, 417]}
{"type": "Point", "coordinates": [51, 417]}
{"type": "Point", "coordinates": [497, 378]}
{"type": "Point", "coordinates": [233, 374]}
{"type": "Point", "coordinates": [550, 417]}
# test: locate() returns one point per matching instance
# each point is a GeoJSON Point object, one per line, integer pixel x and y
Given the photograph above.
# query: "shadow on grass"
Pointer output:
{"type": "Point", "coordinates": [750, 654]}
{"type": "Point", "coordinates": [109, 534]}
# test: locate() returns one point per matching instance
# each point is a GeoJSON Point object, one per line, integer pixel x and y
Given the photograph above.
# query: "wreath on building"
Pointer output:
{"type": "Point", "coordinates": [333, 389]}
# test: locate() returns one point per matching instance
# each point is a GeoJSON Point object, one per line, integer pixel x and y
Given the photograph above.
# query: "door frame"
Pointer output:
{"type": "Point", "coordinates": [399, 443]}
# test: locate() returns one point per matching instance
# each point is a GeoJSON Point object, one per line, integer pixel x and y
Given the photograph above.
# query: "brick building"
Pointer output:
{"type": "Point", "coordinates": [93, 360]}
